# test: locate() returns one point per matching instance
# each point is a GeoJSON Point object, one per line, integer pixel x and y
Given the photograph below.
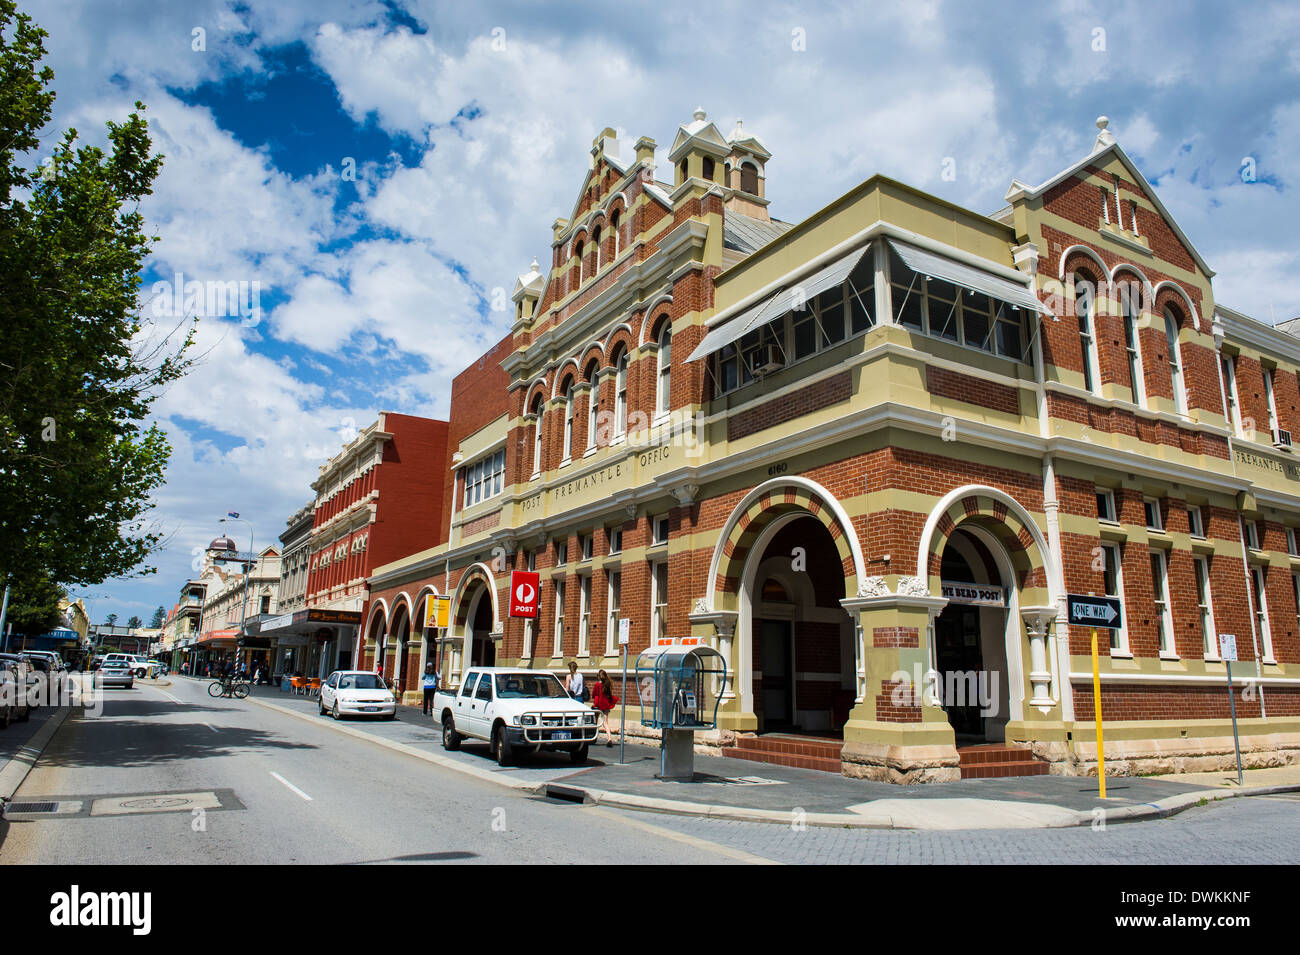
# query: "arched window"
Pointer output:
{"type": "Point", "coordinates": [749, 179]}
{"type": "Point", "coordinates": [613, 224]}
{"type": "Point", "coordinates": [1130, 299]}
{"type": "Point", "coordinates": [578, 251]}
{"type": "Point", "coordinates": [620, 393]}
{"type": "Point", "coordinates": [568, 420]}
{"type": "Point", "coordinates": [593, 403]}
{"type": "Point", "coordinates": [708, 168]}
{"type": "Point", "coordinates": [663, 385]}
{"type": "Point", "coordinates": [1175, 361]}
{"type": "Point", "coordinates": [537, 435]}
{"type": "Point", "coordinates": [1084, 308]}
{"type": "Point", "coordinates": [595, 238]}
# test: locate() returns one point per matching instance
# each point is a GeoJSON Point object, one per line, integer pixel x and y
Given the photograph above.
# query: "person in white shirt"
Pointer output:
{"type": "Point", "coordinates": [574, 683]}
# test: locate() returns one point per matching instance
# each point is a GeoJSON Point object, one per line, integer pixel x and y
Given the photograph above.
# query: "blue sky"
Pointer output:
{"type": "Point", "coordinates": [468, 127]}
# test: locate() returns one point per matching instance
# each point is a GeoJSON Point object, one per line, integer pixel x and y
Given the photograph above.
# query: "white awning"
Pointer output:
{"type": "Point", "coordinates": [778, 304]}
{"type": "Point", "coordinates": [1004, 290]}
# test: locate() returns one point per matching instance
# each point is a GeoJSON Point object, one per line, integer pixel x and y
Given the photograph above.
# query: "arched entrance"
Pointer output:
{"type": "Point", "coordinates": [801, 638]}
{"type": "Point", "coordinates": [984, 534]}
{"type": "Point", "coordinates": [971, 637]}
{"type": "Point", "coordinates": [399, 633]}
{"type": "Point", "coordinates": [375, 636]}
{"type": "Point", "coordinates": [480, 648]}
{"type": "Point", "coordinates": [786, 556]}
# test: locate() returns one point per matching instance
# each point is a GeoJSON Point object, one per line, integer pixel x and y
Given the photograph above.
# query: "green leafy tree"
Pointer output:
{"type": "Point", "coordinates": [135, 623]}
{"type": "Point", "coordinates": [159, 618]}
{"type": "Point", "coordinates": [34, 605]}
{"type": "Point", "coordinates": [78, 368]}
{"type": "Point", "coordinates": [112, 619]}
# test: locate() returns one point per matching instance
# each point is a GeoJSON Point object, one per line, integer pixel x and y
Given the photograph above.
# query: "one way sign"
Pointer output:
{"type": "Point", "coordinates": [1089, 611]}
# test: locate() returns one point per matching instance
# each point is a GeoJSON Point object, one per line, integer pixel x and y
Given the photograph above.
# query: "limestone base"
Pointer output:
{"type": "Point", "coordinates": [905, 765]}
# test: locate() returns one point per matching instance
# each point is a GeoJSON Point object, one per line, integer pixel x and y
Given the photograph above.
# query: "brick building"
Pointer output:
{"type": "Point", "coordinates": [867, 455]}
{"type": "Point", "coordinates": [379, 498]}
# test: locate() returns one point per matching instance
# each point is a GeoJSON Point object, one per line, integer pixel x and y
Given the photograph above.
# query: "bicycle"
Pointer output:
{"type": "Point", "coordinates": [231, 688]}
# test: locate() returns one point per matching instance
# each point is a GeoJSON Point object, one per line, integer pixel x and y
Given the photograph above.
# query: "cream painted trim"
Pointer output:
{"type": "Point", "coordinates": [841, 516]}
{"type": "Point", "coordinates": [1209, 678]}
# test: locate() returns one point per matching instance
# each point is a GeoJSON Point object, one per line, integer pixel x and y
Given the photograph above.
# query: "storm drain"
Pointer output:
{"type": "Point", "coordinates": [17, 807]}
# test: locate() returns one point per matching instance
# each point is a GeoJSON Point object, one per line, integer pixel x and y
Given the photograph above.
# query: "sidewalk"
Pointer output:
{"type": "Point", "coordinates": [726, 788]}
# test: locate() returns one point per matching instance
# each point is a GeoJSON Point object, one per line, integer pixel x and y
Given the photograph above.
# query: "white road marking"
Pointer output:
{"type": "Point", "coordinates": [628, 819]}
{"type": "Point", "coordinates": [211, 727]}
{"type": "Point", "coordinates": [169, 696]}
{"type": "Point", "coordinates": [292, 786]}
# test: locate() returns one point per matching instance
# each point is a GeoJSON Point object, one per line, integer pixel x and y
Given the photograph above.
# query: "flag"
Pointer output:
{"type": "Point", "coordinates": [234, 514]}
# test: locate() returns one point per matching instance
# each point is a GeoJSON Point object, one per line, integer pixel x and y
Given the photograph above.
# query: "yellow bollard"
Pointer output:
{"type": "Point", "coordinates": [1096, 709]}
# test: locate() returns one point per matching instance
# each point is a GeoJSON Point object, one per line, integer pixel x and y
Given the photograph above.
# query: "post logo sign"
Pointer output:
{"type": "Point", "coordinates": [525, 591]}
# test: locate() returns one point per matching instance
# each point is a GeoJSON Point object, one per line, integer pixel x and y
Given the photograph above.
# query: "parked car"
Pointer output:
{"type": "Point", "coordinates": [357, 693]}
{"type": "Point", "coordinates": [14, 695]}
{"type": "Point", "coordinates": [28, 678]}
{"type": "Point", "coordinates": [516, 711]}
{"type": "Point", "coordinates": [115, 673]}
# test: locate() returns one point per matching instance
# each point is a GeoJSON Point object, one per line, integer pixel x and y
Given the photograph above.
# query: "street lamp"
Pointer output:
{"type": "Point", "coordinates": [248, 571]}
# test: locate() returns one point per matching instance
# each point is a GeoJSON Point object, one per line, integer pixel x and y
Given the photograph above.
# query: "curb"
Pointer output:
{"type": "Point", "coordinates": [485, 775]}
{"type": "Point", "coordinates": [22, 762]}
{"type": "Point", "coordinates": [1161, 809]}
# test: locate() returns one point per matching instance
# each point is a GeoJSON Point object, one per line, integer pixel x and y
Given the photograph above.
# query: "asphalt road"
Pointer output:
{"type": "Point", "coordinates": [284, 791]}
{"type": "Point", "coordinates": [281, 789]}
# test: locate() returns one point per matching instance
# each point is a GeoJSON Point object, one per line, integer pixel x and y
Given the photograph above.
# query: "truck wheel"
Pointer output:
{"type": "Point", "coordinates": [578, 756]}
{"type": "Point", "coordinates": [501, 743]}
{"type": "Point", "coordinates": [450, 738]}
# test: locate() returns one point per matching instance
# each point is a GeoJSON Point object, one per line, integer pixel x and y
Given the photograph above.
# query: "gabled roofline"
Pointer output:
{"type": "Point", "coordinates": [1019, 189]}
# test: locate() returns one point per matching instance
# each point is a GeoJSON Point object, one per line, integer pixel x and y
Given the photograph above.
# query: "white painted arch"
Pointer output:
{"type": "Point", "coordinates": [841, 516]}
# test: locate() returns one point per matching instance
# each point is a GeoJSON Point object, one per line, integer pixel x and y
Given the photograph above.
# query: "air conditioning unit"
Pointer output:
{"type": "Point", "coordinates": [768, 359]}
{"type": "Point", "coordinates": [1281, 439]}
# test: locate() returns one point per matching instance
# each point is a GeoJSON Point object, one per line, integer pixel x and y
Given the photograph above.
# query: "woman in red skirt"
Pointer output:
{"type": "Point", "coordinates": [604, 700]}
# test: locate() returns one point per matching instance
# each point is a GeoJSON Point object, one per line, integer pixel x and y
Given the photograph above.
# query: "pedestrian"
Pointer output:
{"type": "Point", "coordinates": [430, 687]}
{"type": "Point", "coordinates": [604, 700]}
{"type": "Point", "coordinates": [574, 684]}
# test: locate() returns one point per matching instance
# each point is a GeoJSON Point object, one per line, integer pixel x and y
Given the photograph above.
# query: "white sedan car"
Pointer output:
{"type": "Point", "coordinates": [357, 693]}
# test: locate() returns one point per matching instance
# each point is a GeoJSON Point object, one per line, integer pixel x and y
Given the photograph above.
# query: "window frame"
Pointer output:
{"type": "Point", "coordinates": [1107, 495]}
{"type": "Point", "coordinates": [613, 604]}
{"type": "Point", "coordinates": [1176, 378]}
{"type": "Point", "coordinates": [558, 585]}
{"type": "Point", "coordinates": [1165, 634]}
{"type": "Point", "coordinates": [1205, 607]}
{"type": "Point", "coordinates": [1196, 521]}
{"type": "Point", "coordinates": [1118, 638]}
{"type": "Point", "coordinates": [658, 600]}
{"type": "Point", "coordinates": [1263, 624]}
{"type": "Point", "coordinates": [1150, 506]}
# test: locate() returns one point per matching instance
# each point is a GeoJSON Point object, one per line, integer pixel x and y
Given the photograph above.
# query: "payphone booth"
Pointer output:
{"type": "Point", "coordinates": [680, 685]}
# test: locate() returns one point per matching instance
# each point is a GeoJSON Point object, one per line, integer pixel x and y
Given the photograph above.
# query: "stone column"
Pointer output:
{"type": "Point", "coordinates": [897, 732]}
{"type": "Point", "coordinates": [1038, 623]}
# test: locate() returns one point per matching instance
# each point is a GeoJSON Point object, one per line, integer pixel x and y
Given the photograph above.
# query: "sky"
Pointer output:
{"type": "Point", "coordinates": [378, 173]}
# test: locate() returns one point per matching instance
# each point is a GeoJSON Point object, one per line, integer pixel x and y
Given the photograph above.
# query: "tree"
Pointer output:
{"type": "Point", "coordinates": [159, 618]}
{"type": "Point", "coordinates": [135, 623]}
{"type": "Point", "coordinates": [34, 605]}
{"type": "Point", "coordinates": [78, 368]}
{"type": "Point", "coordinates": [112, 620]}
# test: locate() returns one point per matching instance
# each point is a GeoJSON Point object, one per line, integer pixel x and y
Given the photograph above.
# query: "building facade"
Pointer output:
{"type": "Point", "coordinates": [867, 456]}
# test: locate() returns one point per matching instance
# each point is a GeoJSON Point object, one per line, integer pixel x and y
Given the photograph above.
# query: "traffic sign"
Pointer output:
{"type": "Point", "coordinates": [525, 587]}
{"type": "Point", "coordinates": [1228, 647]}
{"type": "Point", "coordinates": [624, 632]}
{"type": "Point", "coordinates": [1104, 612]}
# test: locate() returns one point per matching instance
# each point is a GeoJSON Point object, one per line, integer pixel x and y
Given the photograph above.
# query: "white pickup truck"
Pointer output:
{"type": "Point", "coordinates": [516, 711]}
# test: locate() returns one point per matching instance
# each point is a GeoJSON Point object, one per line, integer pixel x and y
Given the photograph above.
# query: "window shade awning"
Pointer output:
{"type": "Point", "coordinates": [935, 266]}
{"type": "Point", "coordinates": [778, 304]}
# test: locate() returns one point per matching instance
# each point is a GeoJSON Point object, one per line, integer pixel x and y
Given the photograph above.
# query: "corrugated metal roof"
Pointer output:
{"type": "Point", "coordinates": [746, 234]}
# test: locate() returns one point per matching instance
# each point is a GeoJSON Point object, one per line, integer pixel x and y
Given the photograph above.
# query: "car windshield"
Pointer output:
{"type": "Point", "coordinates": [521, 686]}
{"type": "Point", "coordinates": [361, 681]}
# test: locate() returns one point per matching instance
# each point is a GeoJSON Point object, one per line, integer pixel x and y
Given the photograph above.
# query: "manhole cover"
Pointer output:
{"type": "Point", "coordinates": [159, 802]}
{"type": "Point", "coordinates": [155, 802]}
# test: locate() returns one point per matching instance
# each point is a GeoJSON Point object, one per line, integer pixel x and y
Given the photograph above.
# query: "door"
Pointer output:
{"type": "Point", "coordinates": [960, 663]}
{"type": "Point", "coordinates": [778, 675]}
{"type": "Point", "coordinates": [480, 709]}
{"type": "Point", "coordinates": [465, 705]}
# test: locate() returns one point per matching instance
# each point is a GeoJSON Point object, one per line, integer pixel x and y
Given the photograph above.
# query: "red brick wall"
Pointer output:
{"type": "Point", "coordinates": [972, 390]}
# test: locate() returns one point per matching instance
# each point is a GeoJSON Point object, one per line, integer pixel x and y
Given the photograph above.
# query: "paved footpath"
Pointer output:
{"type": "Point", "coordinates": [741, 790]}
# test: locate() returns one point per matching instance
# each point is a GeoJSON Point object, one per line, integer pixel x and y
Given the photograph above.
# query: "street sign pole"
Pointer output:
{"type": "Point", "coordinates": [624, 638]}
{"type": "Point", "coordinates": [1096, 709]}
{"type": "Point", "coordinates": [1236, 741]}
{"type": "Point", "coordinates": [1228, 653]}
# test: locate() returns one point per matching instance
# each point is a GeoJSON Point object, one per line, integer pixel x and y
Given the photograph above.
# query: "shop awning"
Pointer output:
{"type": "Point", "coordinates": [779, 303]}
{"type": "Point", "coordinates": [965, 276]}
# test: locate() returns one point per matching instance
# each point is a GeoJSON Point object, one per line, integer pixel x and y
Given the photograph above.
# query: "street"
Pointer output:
{"type": "Point", "coordinates": [169, 775]}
